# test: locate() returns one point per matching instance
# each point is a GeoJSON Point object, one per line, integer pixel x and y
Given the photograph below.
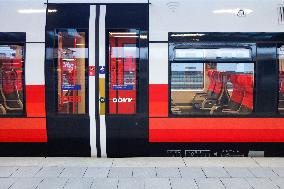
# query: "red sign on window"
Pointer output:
{"type": "Point", "coordinates": [71, 99]}
{"type": "Point", "coordinates": [92, 71]}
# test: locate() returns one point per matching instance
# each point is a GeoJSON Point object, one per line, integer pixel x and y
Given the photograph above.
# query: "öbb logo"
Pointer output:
{"type": "Point", "coordinates": [120, 100]}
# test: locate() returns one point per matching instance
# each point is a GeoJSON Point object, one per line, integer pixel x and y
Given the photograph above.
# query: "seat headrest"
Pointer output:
{"type": "Point", "coordinates": [245, 80]}
{"type": "Point", "coordinates": [210, 73]}
{"type": "Point", "coordinates": [220, 76]}
{"type": "Point", "coordinates": [234, 78]}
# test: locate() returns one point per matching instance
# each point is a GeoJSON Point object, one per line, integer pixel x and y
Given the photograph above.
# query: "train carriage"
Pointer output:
{"type": "Point", "coordinates": [121, 78]}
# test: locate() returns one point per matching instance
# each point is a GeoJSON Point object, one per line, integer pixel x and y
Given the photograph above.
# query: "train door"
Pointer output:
{"type": "Point", "coordinates": [97, 81]}
{"type": "Point", "coordinates": [117, 79]}
{"type": "Point", "coordinates": [123, 60]}
{"type": "Point", "coordinates": [67, 83]}
{"type": "Point", "coordinates": [126, 86]}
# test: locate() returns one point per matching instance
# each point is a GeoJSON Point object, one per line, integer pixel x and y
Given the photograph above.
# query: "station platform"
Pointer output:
{"type": "Point", "coordinates": [141, 173]}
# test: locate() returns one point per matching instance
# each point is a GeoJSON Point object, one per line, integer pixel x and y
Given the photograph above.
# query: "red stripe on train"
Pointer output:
{"type": "Point", "coordinates": [23, 130]}
{"type": "Point", "coordinates": [216, 130]}
{"type": "Point", "coordinates": [158, 100]}
{"type": "Point", "coordinates": [32, 128]}
{"type": "Point", "coordinates": [35, 100]}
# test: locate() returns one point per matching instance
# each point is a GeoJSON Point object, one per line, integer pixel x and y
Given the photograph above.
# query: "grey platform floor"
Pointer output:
{"type": "Point", "coordinates": [141, 173]}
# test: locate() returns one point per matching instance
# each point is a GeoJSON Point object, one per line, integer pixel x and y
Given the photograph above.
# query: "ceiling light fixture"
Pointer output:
{"type": "Point", "coordinates": [31, 11]}
{"type": "Point", "coordinates": [35, 11]}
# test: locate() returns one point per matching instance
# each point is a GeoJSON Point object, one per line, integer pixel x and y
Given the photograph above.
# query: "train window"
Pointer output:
{"type": "Point", "coordinates": [11, 79]}
{"type": "Point", "coordinates": [71, 72]}
{"type": "Point", "coordinates": [212, 88]}
{"type": "Point", "coordinates": [281, 80]}
{"type": "Point", "coordinates": [123, 60]}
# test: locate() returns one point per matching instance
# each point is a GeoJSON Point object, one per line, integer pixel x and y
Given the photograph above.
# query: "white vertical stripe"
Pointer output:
{"type": "Point", "coordinates": [34, 64]}
{"type": "Point", "coordinates": [92, 87]}
{"type": "Point", "coordinates": [158, 63]}
{"type": "Point", "coordinates": [103, 135]}
{"type": "Point", "coordinates": [102, 37]}
{"type": "Point", "coordinates": [102, 63]}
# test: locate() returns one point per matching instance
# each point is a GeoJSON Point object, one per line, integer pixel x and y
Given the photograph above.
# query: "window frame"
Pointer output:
{"type": "Point", "coordinates": [24, 113]}
{"type": "Point", "coordinates": [173, 45]}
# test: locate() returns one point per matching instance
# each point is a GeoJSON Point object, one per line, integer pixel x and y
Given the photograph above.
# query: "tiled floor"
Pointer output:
{"type": "Point", "coordinates": [142, 173]}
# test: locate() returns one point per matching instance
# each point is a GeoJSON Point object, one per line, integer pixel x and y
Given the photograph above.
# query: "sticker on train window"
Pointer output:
{"type": "Point", "coordinates": [122, 87]}
{"type": "Point", "coordinates": [102, 70]}
{"type": "Point", "coordinates": [92, 71]}
{"type": "Point", "coordinates": [71, 99]}
{"type": "Point", "coordinates": [120, 100]}
{"type": "Point", "coordinates": [71, 87]}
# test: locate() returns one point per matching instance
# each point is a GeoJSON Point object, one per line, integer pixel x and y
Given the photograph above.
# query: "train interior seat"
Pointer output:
{"type": "Point", "coordinates": [199, 97]}
{"type": "Point", "coordinates": [220, 94]}
{"type": "Point", "coordinates": [218, 87]}
{"type": "Point", "coordinates": [241, 99]}
{"type": "Point", "coordinates": [194, 106]}
{"type": "Point", "coordinates": [246, 82]}
{"type": "Point", "coordinates": [219, 98]}
{"type": "Point", "coordinates": [210, 87]}
{"type": "Point", "coordinates": [235, 100]}
{"type": "Point", "coordinates": [237, 94]}
{"type": "Point", "coordinates": [11, 85]}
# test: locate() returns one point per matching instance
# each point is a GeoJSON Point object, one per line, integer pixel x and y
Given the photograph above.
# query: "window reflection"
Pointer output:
{"type": "Point", "coordinates": [281, 80]}
{"type": "Point", "coordinates": [72, 53]}
{"type": "Point", "coordinates": [187, 76]}
{"type": "Point", "coordinates": [123, 61]}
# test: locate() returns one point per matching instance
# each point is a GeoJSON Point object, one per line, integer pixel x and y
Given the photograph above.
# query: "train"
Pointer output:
{"type": "Point", "coordinates": [128, 78]}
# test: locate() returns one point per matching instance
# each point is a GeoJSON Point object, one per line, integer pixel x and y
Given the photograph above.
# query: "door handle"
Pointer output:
{"type": "Point", "coordinates": [102, 100]}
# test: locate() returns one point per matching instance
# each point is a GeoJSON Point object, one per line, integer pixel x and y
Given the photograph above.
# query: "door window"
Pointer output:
{"type": "Point", "coordinates": [71, 72]}
{"type": "Point", "coordinates": [122, 64]}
